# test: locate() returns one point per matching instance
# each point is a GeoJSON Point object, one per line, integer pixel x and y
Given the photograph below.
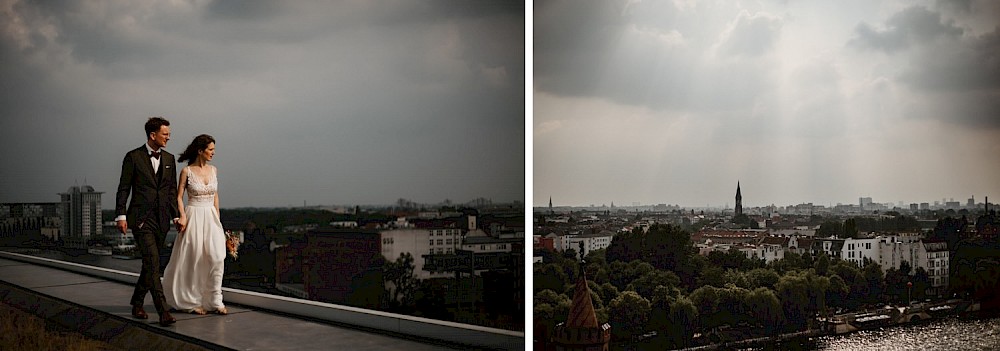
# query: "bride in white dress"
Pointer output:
{"type": "Point", "coordinates": [192, 281]}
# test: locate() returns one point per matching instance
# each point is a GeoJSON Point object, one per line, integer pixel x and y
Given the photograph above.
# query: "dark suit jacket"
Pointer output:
{"type": "Point", "coordinates": [154, 195]}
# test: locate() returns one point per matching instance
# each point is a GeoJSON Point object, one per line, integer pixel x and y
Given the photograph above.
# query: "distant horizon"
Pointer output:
{"type": "Point", "coordinates": [105, 198]}
{"type": "Point", "coordinates": [962, 202]}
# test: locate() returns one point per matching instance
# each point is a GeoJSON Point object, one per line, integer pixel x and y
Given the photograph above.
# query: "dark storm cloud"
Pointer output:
{"type": "Point", "coordinates": [970, 64]}
{"type": "Point", "coordinates": [327, 102]}
{"type": "Point", "coordinates": [351, 14]}
{"type": "Point", "coordinates": [651, 54]}
{"type": "Point", "coordinates": [957, 70]}
{"type": "Point", "coordinates": [964, 6]}
{"type": "Point", "coordinates": [244, 10]}
{"type": "Point", "coordinates": [911, 26]}
{"type": "Point", "coordinates": [570, 39]}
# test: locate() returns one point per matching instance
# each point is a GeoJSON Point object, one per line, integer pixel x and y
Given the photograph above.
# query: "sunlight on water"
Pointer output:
{"type": "Point", "coordinates": [950, 334]}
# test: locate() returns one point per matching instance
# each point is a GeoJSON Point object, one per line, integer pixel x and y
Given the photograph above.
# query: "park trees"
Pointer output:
{"type": "Point", "coordinates": [765, 309]}
{"type": "Point", "coordinates": [551, 308]}
{"type": "Point", "coordinates": [550, 276]}
{"type": "Point", "coordinates": [629, 315]}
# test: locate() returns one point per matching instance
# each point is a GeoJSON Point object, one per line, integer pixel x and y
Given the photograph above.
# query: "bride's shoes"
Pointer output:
{"type": "Point", "coordinates": [201, 311]}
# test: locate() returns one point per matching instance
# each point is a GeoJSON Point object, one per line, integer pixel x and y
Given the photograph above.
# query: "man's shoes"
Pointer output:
{"type": "Point", "coordinates": [139, 313]}
{"type": "Point", "coordinates": [166, 319]}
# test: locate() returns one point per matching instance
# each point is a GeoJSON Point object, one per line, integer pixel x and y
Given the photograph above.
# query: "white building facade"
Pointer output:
{"type": "Point", "coordinates": [889, 251]}
{"type": "Point", "coordinates": [589, 242]}
{"type": "Point", "coordinates": [936, 260]}
{"type": "Point", "coordinates": [419, 242]}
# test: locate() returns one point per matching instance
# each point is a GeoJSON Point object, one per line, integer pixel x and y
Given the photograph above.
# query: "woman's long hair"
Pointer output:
{"type": "Point", "coordinates": [199, 144]}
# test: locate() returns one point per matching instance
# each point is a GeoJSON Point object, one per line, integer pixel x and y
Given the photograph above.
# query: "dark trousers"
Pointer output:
{"type": "Point", "coordinates": [149, 242]}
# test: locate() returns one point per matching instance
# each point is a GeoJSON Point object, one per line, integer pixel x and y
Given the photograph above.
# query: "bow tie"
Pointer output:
{"type": "Point", "coordinates": [155, 154]}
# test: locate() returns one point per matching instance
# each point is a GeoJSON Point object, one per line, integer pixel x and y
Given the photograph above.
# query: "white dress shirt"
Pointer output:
{"type": "Point", "coordinates": [156, 161]}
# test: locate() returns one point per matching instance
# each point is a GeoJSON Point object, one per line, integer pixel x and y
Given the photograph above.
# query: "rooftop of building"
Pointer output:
{"type": "Point", "coordinates": [94, 302]}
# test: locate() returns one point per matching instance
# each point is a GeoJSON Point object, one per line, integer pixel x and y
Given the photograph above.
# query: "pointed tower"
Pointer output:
{"type": "Point", "coordinates": [739, 199]}
{"type": "Point", "coordinates": [581, 331]}
{"type": "Point", "coordinates": [550, 205]}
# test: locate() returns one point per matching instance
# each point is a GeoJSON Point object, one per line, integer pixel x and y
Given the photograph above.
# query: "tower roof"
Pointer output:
{"type": "Point", "coordinates": [581, 313]}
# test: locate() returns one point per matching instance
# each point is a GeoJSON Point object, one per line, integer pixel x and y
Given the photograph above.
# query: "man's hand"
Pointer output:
{"type": "Point", "coordinates": [181, 225]}
{"type": "Point", "coordinates": [123, 226]}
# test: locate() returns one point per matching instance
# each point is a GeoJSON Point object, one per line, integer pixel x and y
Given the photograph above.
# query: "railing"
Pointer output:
{"type": "Point", "coordinates": [463, 334]}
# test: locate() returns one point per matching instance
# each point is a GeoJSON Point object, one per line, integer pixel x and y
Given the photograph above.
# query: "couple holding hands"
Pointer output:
{"type": "Point", "coordinates": [192, 281]}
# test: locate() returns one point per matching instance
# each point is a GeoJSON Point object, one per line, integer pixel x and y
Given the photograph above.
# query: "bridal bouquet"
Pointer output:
{"type": "Point", "coordinates": [232, 243]}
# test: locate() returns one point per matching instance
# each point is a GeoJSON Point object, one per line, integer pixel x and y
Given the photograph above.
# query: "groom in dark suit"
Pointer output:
{"type": "Point", "coordinates": [149, 173]}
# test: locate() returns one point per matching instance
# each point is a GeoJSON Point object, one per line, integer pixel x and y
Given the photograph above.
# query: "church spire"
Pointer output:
{"type": "Point", "coordinates": [739, 199]}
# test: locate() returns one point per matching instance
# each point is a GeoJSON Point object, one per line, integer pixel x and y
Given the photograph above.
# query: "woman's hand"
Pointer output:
{"type": "Point", "coordinates": [181, 225]}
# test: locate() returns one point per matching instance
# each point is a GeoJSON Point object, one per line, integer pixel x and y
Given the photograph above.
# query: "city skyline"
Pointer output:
{"type": "Point", "coordinates": [730, 203]}
{"type": "Point", "coordinates": [316, 103]}
{"type": "Point", "coordinates": [675, 102]}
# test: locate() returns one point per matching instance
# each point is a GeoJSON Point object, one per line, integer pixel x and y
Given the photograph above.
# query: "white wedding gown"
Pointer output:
{"type": "Point", "coordinates": [193, 277]}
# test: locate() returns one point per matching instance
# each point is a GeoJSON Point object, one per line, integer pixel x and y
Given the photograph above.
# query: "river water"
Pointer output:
{"type": "Point", "coordinates": [951, 334]}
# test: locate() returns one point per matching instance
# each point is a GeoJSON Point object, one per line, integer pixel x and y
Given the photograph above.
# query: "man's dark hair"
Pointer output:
{"type": "Point", "coordinates": [154, 124]}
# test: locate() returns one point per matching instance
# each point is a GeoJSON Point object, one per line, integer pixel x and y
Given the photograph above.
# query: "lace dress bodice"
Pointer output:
{"type": "Point", "coordinates": [199, 193]}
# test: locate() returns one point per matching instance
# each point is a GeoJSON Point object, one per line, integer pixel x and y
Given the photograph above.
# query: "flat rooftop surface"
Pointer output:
{"type": "Point", "coordinates": [96, 306]}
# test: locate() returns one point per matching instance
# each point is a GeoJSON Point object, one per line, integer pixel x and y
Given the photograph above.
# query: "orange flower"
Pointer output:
{"type": "Point", "coordinates": [232, 244]}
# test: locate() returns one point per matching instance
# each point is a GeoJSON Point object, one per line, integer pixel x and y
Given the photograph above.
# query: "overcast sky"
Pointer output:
{"type": "Point", "coordinates": [347, 102]}
{"type": "Point", "coordinates": [800, 101]}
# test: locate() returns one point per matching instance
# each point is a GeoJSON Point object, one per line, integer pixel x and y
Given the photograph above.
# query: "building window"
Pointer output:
{"type": "Point", "coordinates": [440, 242]}
{"type": "Point", "coordinates": [432, 241]}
